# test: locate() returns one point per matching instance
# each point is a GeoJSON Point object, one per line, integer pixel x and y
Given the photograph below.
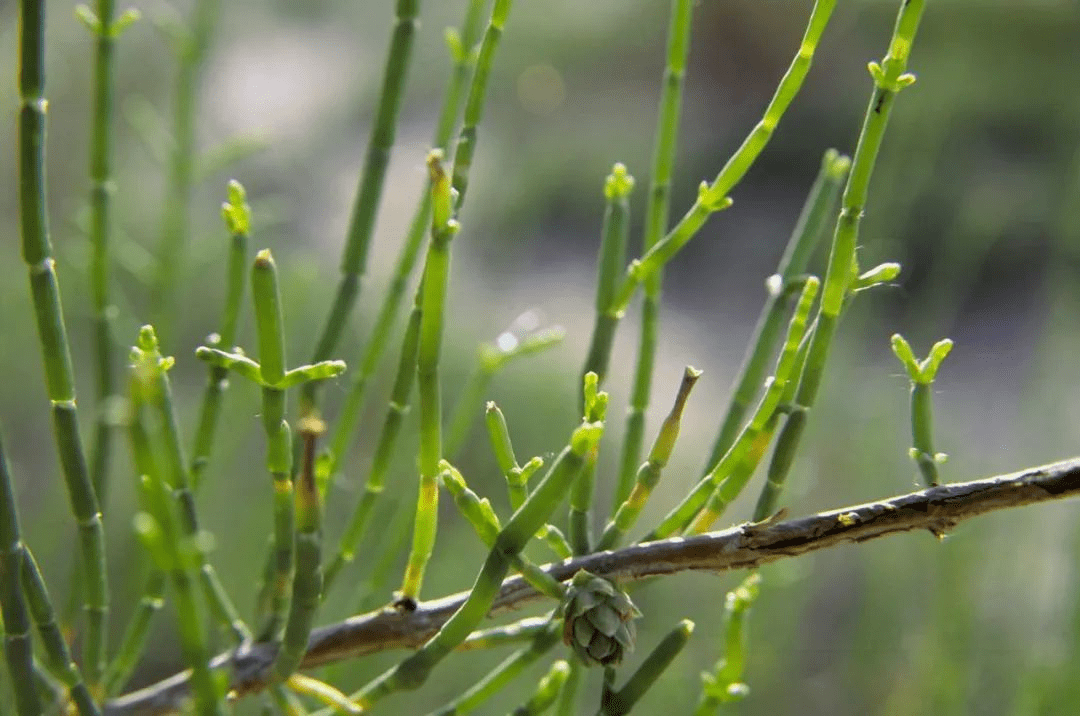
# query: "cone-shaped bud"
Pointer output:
{"type": "Point", "coordinates": [598, 620]}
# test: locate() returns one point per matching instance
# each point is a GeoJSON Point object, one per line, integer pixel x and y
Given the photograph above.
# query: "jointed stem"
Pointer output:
{"type": "Point", "coordinates": [55, 350]}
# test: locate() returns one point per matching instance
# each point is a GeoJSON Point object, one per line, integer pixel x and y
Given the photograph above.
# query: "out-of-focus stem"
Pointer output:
{"type": "Point", "coordinates": [52, 333]}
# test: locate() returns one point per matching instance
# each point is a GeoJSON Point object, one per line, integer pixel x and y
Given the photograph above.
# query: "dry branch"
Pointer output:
{"type": "Point", "coordinates": [937, 509]}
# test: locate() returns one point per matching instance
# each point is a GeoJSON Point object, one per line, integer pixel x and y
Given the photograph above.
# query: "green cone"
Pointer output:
{"type": "Point", "coordinates": [598, 622]}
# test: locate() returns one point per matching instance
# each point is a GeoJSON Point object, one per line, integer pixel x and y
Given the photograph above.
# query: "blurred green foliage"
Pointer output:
{"type": "Point", "coordinates": [977, 195]}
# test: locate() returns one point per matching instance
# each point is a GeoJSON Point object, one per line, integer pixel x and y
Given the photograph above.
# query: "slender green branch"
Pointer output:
{"type": "Point", "coordinates": [192, 48]}
{"type": "Point", "coordinates": [461, 51]}
{"type": "Point", "coordinates": [58, 658]}
{"type": "Point", "coordinates": [610, 264]}
{"type": "Point", "coordinates": [657, 217]}
{"type": "Point", "coordinates": [18, 649]}
{"type": "Point", "coordinates": [136, 633]}
{"type": "Point", "coordinates": [308, 579]}
{"type": "Point", "coordinates": [397, 407]}
{"type": "Point", "coordinates": [922, 375]}
{"type": "Point", "coordinates": [237, 217]}
{"type": "Point", "coordinates": [889, 78]}
{"type": "Point", "coordinates": [724, 683]}
{"type": "Point", "coordinates": [175, 474]}
{"type": "Point", "coordinates": [474, 101]}
{"type": "Point", "coordinates": [648, 475]}
{"type": "Point", "coordinates": [726, 480]}
{"type": "Point", "coordinates": [782, 290]}
{"type": "Point", "coordinates": [432, 309]}
{"type": "Point", "coordinates": [55, 351]}
{"type": "Point", "coordinates": [372, 174]}
{"type": "Point", "coordinates": [499, 677]}
{"type": "Point", "coordinates": [106, 29]}
{"type": "Point", "coordinates": [172, 547]}
{"type": "Point", "coordinates": [619, 703]}
{"type": "Point", "coordinates": [714, 197]}
{"type": "Point", "coordinates": [581, 496]}
{"type": "Point", "coordinates": [547, 691]}
{"type": "Point", "coordinates": [412, 672]}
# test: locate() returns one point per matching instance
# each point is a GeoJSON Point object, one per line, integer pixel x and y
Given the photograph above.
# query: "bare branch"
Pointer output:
{"type": "Point", "coordinates": [937, 509]}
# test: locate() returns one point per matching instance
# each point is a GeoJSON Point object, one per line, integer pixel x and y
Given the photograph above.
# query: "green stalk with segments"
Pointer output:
{"type": "Point", "coordinates": [648, 475]}
{"type": "Point", "coordinates": [714, 197]}
{"type": "Point", "coordinates": [168, 536]}
{"type": "Point", "coordinates": [889, 78]}
{"type": "Point", "coordinates": [749, 445]}
{"type": "Point", "coordinates": [922, 374]}
{"type": "Point", "coordinates": [461, 51]}
{"type": "Point", "coordinates": [18, 649]}
{"type": "Point", "coordinates": [192, 46]}
{"type": "Point", "coordinates": [413, 671]}
{"type": "Point", "coordinates": [782, 289]}
{"type": "Point", "coordinates": [372, 173]}
{"type": "Point", "coordinates": [432, 308]}
{"type": "Point", "coordinates": [37, 253]}
{"type": "Point", "coordinates": [657, 216]}
{"type": "Point", "coordinates": [507, 670]}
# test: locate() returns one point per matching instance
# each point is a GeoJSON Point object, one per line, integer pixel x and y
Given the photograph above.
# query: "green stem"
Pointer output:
{"type": "Point", "coordinates": [648, 475]}
{"type": "Point", "coordinates": [782, 286]}
{"type": "Point", "coordinates": [413, 671]}
{"type": "Point", "coordinates": [58, 657]}
{"type": "Point", "coordinates": [237, 216]}
{"type": "Point", "coordinates": [372, 174]}
{"type": "Point", "coordinates": [52, 333]}
{"type": "Point", "coordinates": [889, 79]}
{"type": "Point", "coordinates": [474, 102]}
{"type": "Point", "coordinates": [100, 192]}
{"type": "Point", "coordinates": [610, 263]}
{"type": "Point", "coordinates": [568, 695]}
{"type": "Point", "coordinates": [547, 691]}
{"type": "Point", "coordinates": [499, 677]}
{"type": "Point", "coordinates": [923, 374]}
{"type": "Point", "coordinates": [657, 216]}
{"type": "Point", "coordinates": [728, 477]}
{"type": "Point", "coordinates": [192, 49]}
{"type": "Point", "coordinates": [136, 633]}
{"type": "Point", "coordinates": [461, 45]}
{"type": "Point", "coordinates": [397, 408]}
{"type": "Point", "coordinates": [308, 580]}
{"type": "Point", "coordinates": [724, 683]}
{"type": "Point", "coordinates": [432, 307]}
{"type": "Point", "coordinates": [714, 197]}
{"type": "Point", "coordinates": [18, 649]}
{"type": "Point", "coordinates": [621, 702]}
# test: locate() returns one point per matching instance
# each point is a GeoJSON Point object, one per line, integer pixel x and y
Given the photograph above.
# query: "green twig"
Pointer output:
{"type": "Point", "coordinates": [922, 375]}
{"type": "Point", "coordinates": [461, 51]}
{"type": "Point", "coordinates": [192, 49]}
{"type": "Point", "coordinates": [889, 78]}
{"type": "Point", "coordinates": [782, 288]}
{"type": "Point", "coordinates": [547, 691]}
{"type": "Point", "coordinates": [724, 683]}
{"type": "Point", "coordinates": [237, 216]}
{"type": "Point", "coordinates": [308, 579]}
{"type": "Point", "coordinates": [55, 351]}
{"type": "Point", "coordinates": [499, 677]}
{"type": "Point", "coordinates": [376, 159]}
{"type": "Point", "coordinates": [657, 217]}
{"type": "Point", "coordinates": [106, 28]}
{"type": "Point", "coordinates": [648, 475]}
{"type": "Point", "coordinates": [136, 633]}
{"type": "Point", "coordinates": [714, 197]}
{"type": "Point", "coordinates": [432, 309]}
{"type": "Point", "coordinates": [18, 649]}
{"type": "Point", "coordinates": [619, 703]}
{"type": "Point", "coordinates": [610, 264]}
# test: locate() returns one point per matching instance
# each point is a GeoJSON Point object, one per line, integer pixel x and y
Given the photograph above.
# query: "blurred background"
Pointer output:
{"type": "Point", "coordinates": [976, 194]}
